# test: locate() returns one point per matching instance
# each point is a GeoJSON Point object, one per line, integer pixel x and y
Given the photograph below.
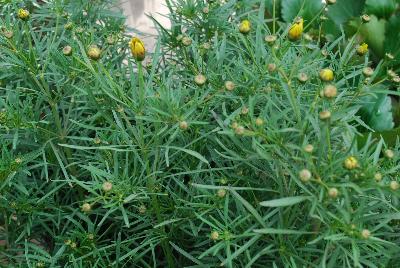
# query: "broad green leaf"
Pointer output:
{"type": "Point", "coordinates": [283, 202]}
{"type": "Point", "coordinates": [380, 8]}
{"type": "Point", "coordinates": [344, 10]}
{"type": "Point", "coordinates": [308, 9]}
{"type": "Point", "coordinates": [374, 34]}
{"type": "Point", "coordinates": [377, 112]}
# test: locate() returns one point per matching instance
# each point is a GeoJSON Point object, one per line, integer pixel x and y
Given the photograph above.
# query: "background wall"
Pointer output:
{"type": "Point", "coordinates": [136, 11]}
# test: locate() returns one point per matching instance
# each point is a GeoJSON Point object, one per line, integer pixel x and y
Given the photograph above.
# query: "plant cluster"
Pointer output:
{"type": "Point", "coordinates": [236, 143]}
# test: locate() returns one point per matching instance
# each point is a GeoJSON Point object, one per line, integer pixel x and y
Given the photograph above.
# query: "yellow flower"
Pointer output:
{"type": "Point", "coordinates": [296, 29]}
{"type": "Point", "coordinates": [137, 48]}
{"type": "Point", "coordinates": [23, 14]}
{"type": "Point", "coordinates": [350, 163]}
{"type": "Point", "coordinates": [245, 27]}
{"type": "Point", "coordinates": [362, 49]}
{"type": "Point", "coordinates": [326, 75]}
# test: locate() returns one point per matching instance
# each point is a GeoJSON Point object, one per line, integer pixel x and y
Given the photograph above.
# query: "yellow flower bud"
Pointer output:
{"type": "Point", "coordinates": [137, 49]}
{"type": "Point", "coordinates": [23, 14]}
{"type": "Point", "coordinates": [362, 49]}
{"type": "Point", "coordinates": [245, 27]}
{"type": "Point", "coordinates": [296, 29]}
{"type": "Point", "coordinates": [326, 75]}
{"type": "Point", "coordinates": [350, 163]}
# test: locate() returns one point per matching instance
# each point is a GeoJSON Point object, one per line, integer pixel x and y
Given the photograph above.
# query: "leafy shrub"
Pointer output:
{"type": "Point", "coordinates": [220, 149]}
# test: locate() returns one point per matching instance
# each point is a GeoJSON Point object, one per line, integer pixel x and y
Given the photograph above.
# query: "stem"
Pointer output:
{"type": "Point", "coordinates": [141, 86]}
{"type": "Point", "coordinates": [274, 16]}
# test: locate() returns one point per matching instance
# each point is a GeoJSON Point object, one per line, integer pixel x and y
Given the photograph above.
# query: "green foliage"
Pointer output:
{"type": "Point", "coordinates": [306, 9]}
{"type": "Point", "coordinates": [118, 163]}
{"type": "Point", "coordinates": [382, 8]}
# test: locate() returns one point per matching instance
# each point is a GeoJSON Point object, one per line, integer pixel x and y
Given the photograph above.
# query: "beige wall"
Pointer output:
{"type": "Point", "coordinates": [136, 11]}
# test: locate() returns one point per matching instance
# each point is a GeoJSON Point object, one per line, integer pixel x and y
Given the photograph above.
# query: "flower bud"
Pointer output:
{"type": "Point", "coordinates": [245, 27]}
{"type": "Point", "coordinates": [8, 34]}
{"type": "Point", "coordinates": [365, 18]}
{"type": "Point", "coordinates": [186, 41]}
{"type": "Point", "coordinates": [214, 235]}
{"type": "Point", "coordinates": [389, 153]}
{"type": "Point", "coordinates": [389, 56]}
{"type": "Point", "coordinates": [67, 50]}
{"type": "Point", "coordinates": [391, 73]}
{"type": "Point", "coordinates": [86, 207]}
{"type": "Point", "coordinates": [270, 39]}
{"type": "Point", "coordinates": [206, 45]}
{"type": "Point", "coordinates": [333, 192]}
{"type": "Point", "coordinates": [378, 177]}
{"type": "Point", "coordinates": [239, 130]}
{"type": "Point", "coordinates": [350, 163]}
{"type": "Point", "coordinates": [137, 49]}
{"type": "Point", "coordinates": [221, 193]}
{"type": "Point", "coordinates": [330, 91]}
{"type": "Point", "coordinates": [368, 71]}
{"type": "Point", "coordinates": [23, 14]}
{"type": "Point", "coordinates": [259, 122]}
{"type": "Point", "coordinates": [326, 75]}
{"type": "Point", "coordinates": [229, 85]}
{"type": "Point", "coordinates": [296, 29]}
{"type": "Point", "coordinates": [94, 52]}
{"type": "Point", "coordinates": [107, 186]}
{"type": "Point", "coordinates": [68, 26]}
{"type": "Point", "coordinates": [331, 2]}
{"type": "Point", "coordinates": [206, 10]}
{"type": "Point", "coordinates": [183, 125]}
{"type": "Point", "coordinates": [309, 148]}
{"type": "Point", "coordinates": [142, 209]}
{"type": "Point", "coordinates": [271, 67]}
{"type": "Point", "coordinates": [302, 77]}
{"type": "Point", "coordinates": [362, 49]}
{"type": "Point", "coordinates": [305, 175]}
{"type": "Point", "coordinates": [365, 233]}
{"type": "Point", "coordinates": [200, 79]}
{"type": "Point", "coordinates": [325, 115]}
{"type": "Point", "coordinates": [394, 185]}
